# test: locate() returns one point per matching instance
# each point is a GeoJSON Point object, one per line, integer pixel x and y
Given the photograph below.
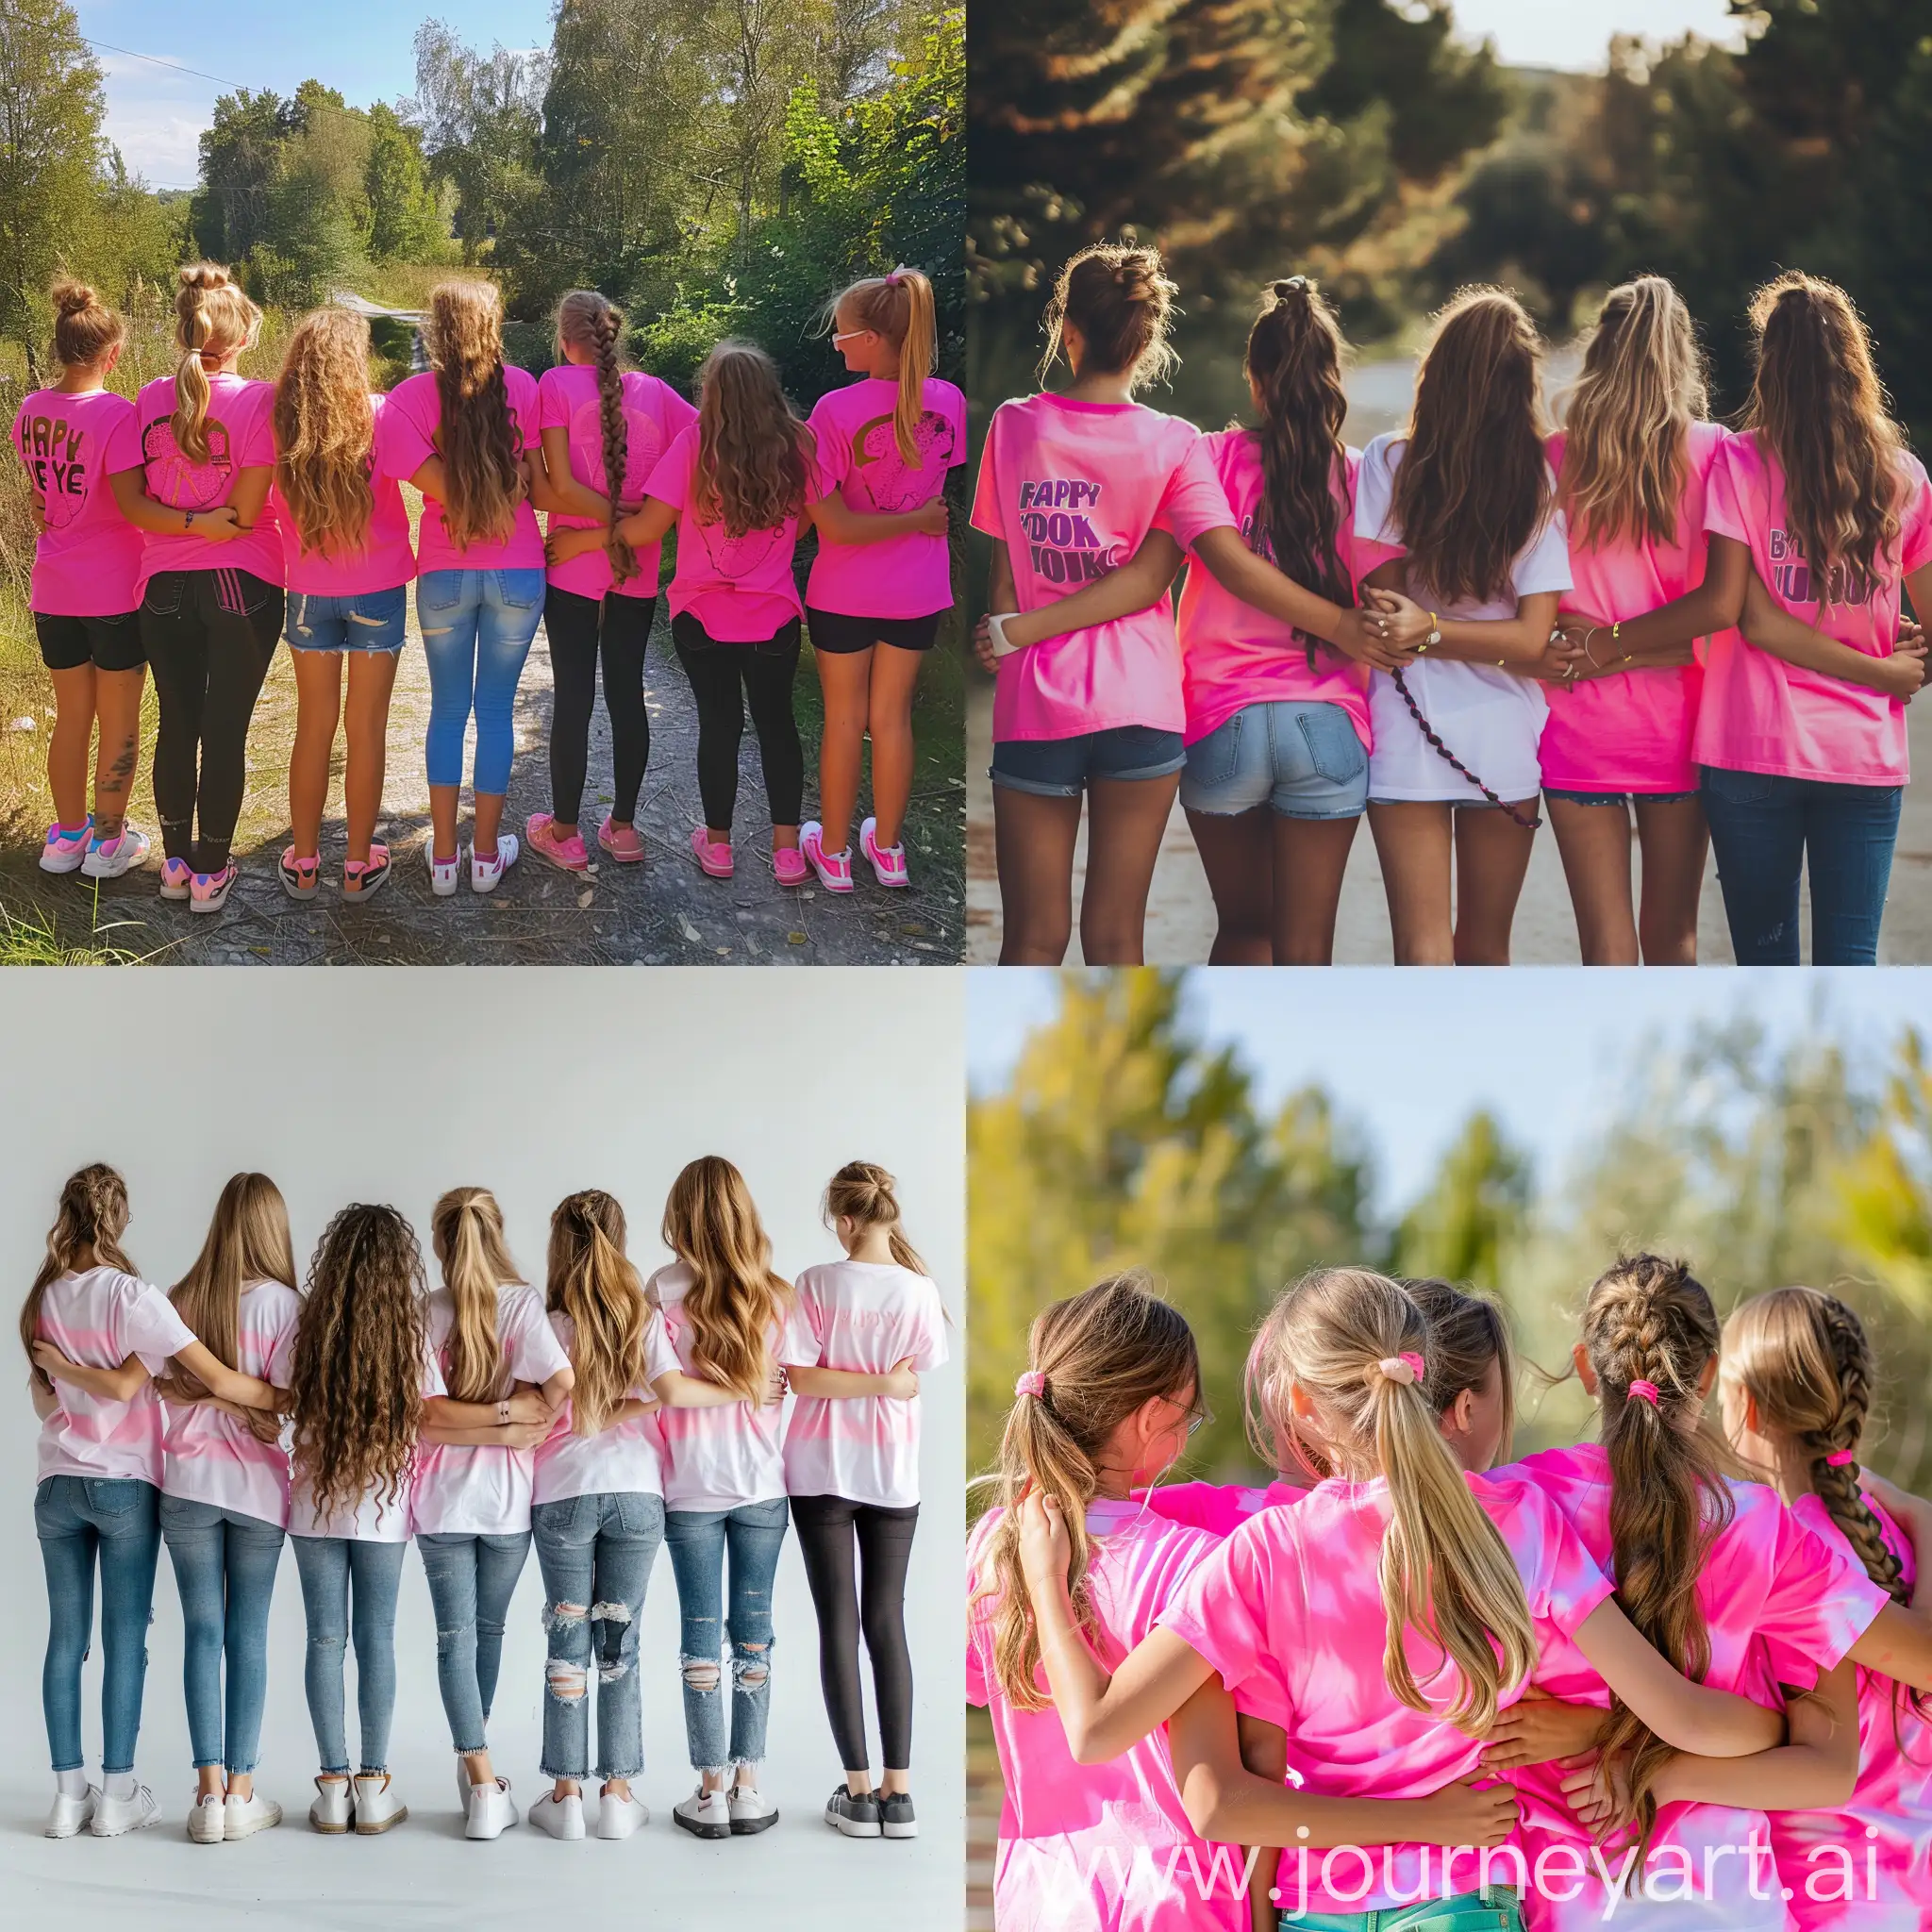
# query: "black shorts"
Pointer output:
{"type": "Point", "coordinates": [109, 643]}
{"type": "Point", "coordinates": [688, 634]}
{"type": "Point", "coordinates": [832, 631]}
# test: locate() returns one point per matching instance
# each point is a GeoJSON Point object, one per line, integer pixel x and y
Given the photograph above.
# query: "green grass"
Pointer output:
{"type": "Point", "coordinates": [29, 938]}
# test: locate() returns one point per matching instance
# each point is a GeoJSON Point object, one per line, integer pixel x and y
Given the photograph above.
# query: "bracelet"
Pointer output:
{"type": "Point", "coordinates": [1435, 636]}
{"type": "Point", "coordinates": [996, 626]}
{"type": "Point", "coordinates": [1586, 636]}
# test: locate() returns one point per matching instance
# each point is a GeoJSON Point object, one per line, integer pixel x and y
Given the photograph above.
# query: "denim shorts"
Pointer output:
{"type": "Point", "coordinates": [1065, 767]}
{"type": "Point", "coordinates": [1618, 797]}
{"type": "Point", "coordinates": [370, 620]}
{"type": "Point", "coordinates": [1299, 757]}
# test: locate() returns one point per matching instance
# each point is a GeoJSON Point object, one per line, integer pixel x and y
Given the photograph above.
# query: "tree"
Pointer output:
{"type": "Point", "coordinates": [240, 168]}
{"type": "Point", "coordinates": [1469, 1224]}
{"type": "Point", "coordinates": [406, 222]}
{"type": "Point", "coordinates": [319, 216]}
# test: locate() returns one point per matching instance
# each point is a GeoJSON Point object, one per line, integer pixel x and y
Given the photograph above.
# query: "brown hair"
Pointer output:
{"type": "Point", "coordinates": [899, 308]}
{"type": "Point", "coordinates": [1473, 486]}
{"type": "Point", "coordinates": [1467, 1332]}
{"type": "Point", "coordinates": [754, 455]}
{"type": "Point", "coordinates": [93, 1215]}
{"type": "Point", "coordinates": [592, 1281]}
{"type": "Point", "coordinates": [862, 1191]}
{"type": "Point", "coordinates": [84, 328]}
{"type": "Point", "coordinates": [1817, 405]}
{"type": "Point", "coordinates": [586, 320]}
{"type": "Point", "coordinates": [212, 319]}
{"type": "Point", "coordinates": [1119, 299]}
{"type": "Point", "coordinates": [711, 1225]}
{"type": "Point", "coordinates": [482, 455]}
{"type": "Point", "coordinates": [324, 428]}
{"type": "Point", "coordinates": [466, 1231]}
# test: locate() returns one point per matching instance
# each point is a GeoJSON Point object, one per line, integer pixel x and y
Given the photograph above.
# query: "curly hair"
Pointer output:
{"type": "Point", "coordinates": [754, 457]}
{"type": "Point", "coordinates": [93, 1215]}
{"type": "Point", "coordinates": [482, 455]}
{"type": "Point", "coordinates": [586, 320]}
{"type": "Point", "coordinates": [592, 1281]}
{"type": "Point", "coordinates": [325, 427]}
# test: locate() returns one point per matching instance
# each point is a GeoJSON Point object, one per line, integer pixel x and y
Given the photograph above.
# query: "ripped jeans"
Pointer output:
{"type": "Point", "coordinates": [700, 1541]}
{"type": "Point", "coordinates": [595, 1553]}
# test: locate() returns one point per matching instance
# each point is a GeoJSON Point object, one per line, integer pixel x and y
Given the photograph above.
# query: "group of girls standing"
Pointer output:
{"type": "Point", "coordinates": [193, 527]}
{"type": "Point", "coordinates": [599, 1417]}
{"type": "Point", "coordinates": [1672, 1676]}
{"type": "Point", "coordinates": [1641, 616]}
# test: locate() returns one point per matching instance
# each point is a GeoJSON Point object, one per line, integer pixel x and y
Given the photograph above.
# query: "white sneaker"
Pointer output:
{"type": "Point", "coordinates": [244, 1817]}
{"type": "Point", "coordinates": [108, 859]}
{"type": "Point", "coordinates": [705, 1814]}
{"type": "Point", "coordinates": [206, 1823]}
{"type": "Point", "coordinates": [378, 1807]}
{"type": "Point", "coordinates": [620, 1817]}
{"type": "Point", "coordinates": [751, 1810]}
{"type": "Point", "coordinates": [113, 1816]}
{"type": "Point", "coordinates": [491, 1812]}
{"type": "Point", "coordinates": [559, 1817]}
{"type": "Point", "coordinates": [70, 1816]}
{"type": "Point", "coordinates": [443, 871]}
{"type": "Point", "coordinates": [334, 1805]}
{"type": "Point", "coordinates": [486, 874]}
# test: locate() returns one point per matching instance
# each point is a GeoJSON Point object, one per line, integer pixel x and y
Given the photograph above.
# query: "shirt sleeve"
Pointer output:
{"type": "Point", "coordinates": [931, 1349]}
{"type": "Point", "coordinates": [433, 1383]}
{"type": "Point", "coordinates": [1723, 511]}
{"type": "Point", "coordinates": [553, 406]}
{"type": "Point", "coordinates": [1221, 1610]}
{"type": "Point", "coordinates": [280, 1367]}
{"type": "Point", "coordinates": [1915, 514]}
{"type": "Point", "coordinates": [18, 432]}
{"type": "Point", "coordinates": [798, 1346]}
{"type": "Point", "coordinates": [146, 1324]}
{"type": "Point", "coordinates": [1817, 1603]}
{"type": "Point", "coordinates": [660, 1358]}
{"type": "Point", "coordinates": [535, 1353]}
{"type": "Point", "coordinates": [402, 446]}
{"type": "Point", "coordinates": [1194, 501]}
{"type": "Point", "coordinates": [956, 416]}
{"type": "Point", "coordinates": [669, 478]}
{"type": "Point", "coordinates": [834, 445]}
{"type": "Point", "coordinates": [1544, 562]}
{"type": "Point", "coordinates": [1566, 1585]}
{"type": "Point", "coordinates": [123, 442]}
{"type": "Point", "coordinates": [258, 439]}
{"type": "Point", "coordinates": [985, 494]}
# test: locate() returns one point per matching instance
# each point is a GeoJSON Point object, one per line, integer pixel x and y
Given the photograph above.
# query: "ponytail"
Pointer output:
{"type": "Point", "coordinates": [466, 1230]}
{"type": "Point", "coordinates": [591, 1280]}
{"type": "Point", "coordinates": [900, 308]}
{"type": "Point", "coordinates": [212, 319]}
{"type": "Point", "coordinates": [586, 319]}
{"type": "Point", "coordinates": [91, 1215]}
{"type": "Point", "coordinates": [862, 1192]}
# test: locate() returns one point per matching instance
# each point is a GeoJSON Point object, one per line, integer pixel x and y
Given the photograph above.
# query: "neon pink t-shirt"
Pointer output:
{"type": "Point", "coordinates": [240, 437]}
{"type": "Point", "coordinates": [99, 1319]}
{"type": "Point", "coordinates": [1219, 1508]}
{"type": "Point", "coordinates": [87, 561]}
{"type": "Point", "coordinates": [386, 559]}
{"type": "Point", "coordinates": [378, 1517]}
{"type": "Point", "coordinates": [211, 1458]}
{"type": "Point", "coordinates": [405, 439]}
{"type": "Point", "coordinates": [1101, 1846]}
{"type": "Point", "coordinates": [1072, 489]}
{"type": "Point", "coordinates": [622, 1459]}
{"type": "Point", "coordinates": [1759, 713]}
{"type": "Point", "coordinates": [1288, 1610]}
{"type": "Point", "coordinates": [867, 1317]}
{"type": "Point", "coordinates": [1632, 732]}
{"type": "Point", "coordinates": [902, 576]}
{"type": "Point", "coordinates": [1232, 654]}
{"type": "Point", "coordinates": [654, 415]}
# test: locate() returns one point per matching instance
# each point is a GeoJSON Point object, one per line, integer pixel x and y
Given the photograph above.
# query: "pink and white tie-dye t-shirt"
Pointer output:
{"type": "Point", "coordinates": [1758, 713]}
{"type": "Point", "coordinates": [211, 1458]}
{"type": "Point", "coordinates": [379, 1517]}
{"type": "Point", "coordinates": [98, 1319]}
{"type": "Point", "coordinates": [386, 559]}
{"type": "Point", "coordinates": [1631, 732]}
{"type": "Point", "coordinates": [1099, 1845]}
{"type": "Point", "coordinates": [867, 1317]}
{"type": "Point", "coordinates": [1072, 489]}
{"type": "Point", "coordinates": [622, 1459]}
{"type": "Point", "coordinates": [858, 449]}
{"type": "Point", "coordinates": [654, 414]}
{"type": "Point", "coordinates": [1288, 1610]}
{"type": "Point", "coordinates": [1219, 1508]}
{"type": "Point", "coordinates": [87, 560]}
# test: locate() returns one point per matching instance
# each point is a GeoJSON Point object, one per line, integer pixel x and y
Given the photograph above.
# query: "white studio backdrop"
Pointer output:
{"type": "Point", "coordinates": [393, 1085]}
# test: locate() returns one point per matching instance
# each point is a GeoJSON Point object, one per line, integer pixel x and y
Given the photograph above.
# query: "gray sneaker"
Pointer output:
{"type": "Point", "coordinates": [855, 1817]}
{"type": "Point", "coordinates": [896, 1819]}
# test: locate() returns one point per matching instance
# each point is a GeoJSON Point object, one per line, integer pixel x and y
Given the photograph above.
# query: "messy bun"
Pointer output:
{"type": "Point", "coordinates": [1119, 299]}
{"type": "Point", "coordinates": [862, 1192]}
{"type": "Point", "coordinates": [84, 330]}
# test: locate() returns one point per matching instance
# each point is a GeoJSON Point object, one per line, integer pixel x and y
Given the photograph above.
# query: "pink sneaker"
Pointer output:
{"type": "Point", "coordinates": [833, 868]}
{"type": "Point", "coordinates": [548, 843]}
{"type": "Point", "coordinates": [207, 891]}
{"type": "Point", "coordinates": [65, 847]}
{"type": "Point", "coordinates": [176, 874]}
{"type": "Point", "coordinates": [365, 878]}
{"type": "Point", "coordinates": [623, 846]}
{"type": "Point", "coordinates": [788, 867]}
{"type": "Point", "coordinates": [300, 877]}
{"type": "Point", "coordinates": [888, 861]}
{"type": "Point", "coordinates": [714, 859]}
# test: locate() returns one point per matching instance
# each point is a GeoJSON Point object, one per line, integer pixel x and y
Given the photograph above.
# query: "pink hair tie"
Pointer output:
{"type": "Point", "coordinates": [1032, 1383]}
{"type": "Point", "coordinates": [1839, 1459]}
{"type": "Point", "coordinates": [1641, 1391]}
{"type": "Point", "coordinates": [1406, 1368]}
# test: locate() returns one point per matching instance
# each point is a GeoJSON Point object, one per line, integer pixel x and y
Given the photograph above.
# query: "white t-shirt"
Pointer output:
{"type": "Point", "coordinates": [211, 1458]}
{"type": "Point", "coordinates": [376, 1517]}
{"type": "Point", "coordinates": [868, 1317]}
{"type": "Point", "coordinates": [1489, 717]}
{"type": "Point", "coordinates": [98, 1319]}
{"type": "Point", "coordinates": [621, 1458]}
{"type": "Point", "coordinates": [484, 1491]}
{"type": "Point", "coordinates": [718, 1458]}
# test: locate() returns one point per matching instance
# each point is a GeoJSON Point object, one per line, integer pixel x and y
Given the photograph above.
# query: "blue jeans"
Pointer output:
{"type": "Point", "coordinates": [225, 1568]}
{"type": "Point", "coordinates": [472, 1579]}
{"type": "Point", "coordinates": [595, 1553]}
{"type": "Point", "coordinates": [332, 1568]}
{"type": "Point", "coordinates": [476, 626]}
{"type": "Point", "coordinates": [699, 1541]}
{"type": "Point", "coordinates": [1764, 830]}
{"type": "Point", "coordinates": [369, 621]}
{"type": "Point", "coordinates": [77, 1518]}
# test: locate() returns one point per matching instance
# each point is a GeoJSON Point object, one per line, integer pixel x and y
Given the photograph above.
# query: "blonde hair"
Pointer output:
{"type": "Point", "coordinates": [862, 1192]}
{"type": "Point", "coordinates": [482, 455]}
{"type": "Point", "coordinates": [899, 308]}
{"type": "Point", "coordinates": [84, 328]}
{"type": "Point", "coordinates": [466, 1231]}
{"type": "Point", "coordinates": [754, 457]}
{"type": "Point", "coordinates": [735, 1300]}
{"type": "Point", "coordinates": [587, 319]}
{"type": "Point", "coordinates": [591, 1280]}
{"type": "Point", "coordinates": [324, 428]}
{"type": "Point", "coordinates": [93, 1215]}
{"type": "Point", "coordinates": [212, 319]}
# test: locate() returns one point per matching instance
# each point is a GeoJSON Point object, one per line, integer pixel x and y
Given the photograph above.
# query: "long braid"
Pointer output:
{"type": "Point", "coordinates": [1529, 822]}
{"type": "Point", "coordinates": [607, 327]}
{"type": "Point", "coordinates": [1837, 1483]}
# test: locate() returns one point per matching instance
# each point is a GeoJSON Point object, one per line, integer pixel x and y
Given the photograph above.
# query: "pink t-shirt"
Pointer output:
{"type": "Point", "coordinates": [240, 437]}
{"type": "Point", "coordinates": [99, 1319]}
{"type": "Point", "coordinates": [867, 1317]}
{"type": "Point", "coordinates": [732, 1452]}
{"type": "Point", "coordinates": [485, 1491]}
{"type": "Point", "coordinates": [1101, 1846]}
{"type": "Point", "coordinates": [740, 589]}
{"type": "Point", "coordinates": [377, 1518]}
{"type": "Point", "coordinates": [654, 415]}
{"type": "Point", "coordinates": [405, 439]}
{"type": "Point", "coordinates": [622, 1459]}
{"type": "Point", "coordinates": [1219, 1508]}
{"type": "Point", "coordinates": [901, 577]}
{"type": "Point", "coordinates": [1759, 713]}
{"type": "Point", "coordinates": [1288, 1610]}
{"type": "Point", "coordinates": [384, 562]}
{"type": "Point", "coordinates": [1632, 732]}
{"type": "Point", "coordinates": [210, 1456]}
{"type": "Point", "coordinates": [87, 561]}
{"type": "Point", "coordinates": [1233, 655]}
{"type": "Point", "coordinates": [1072, 489]}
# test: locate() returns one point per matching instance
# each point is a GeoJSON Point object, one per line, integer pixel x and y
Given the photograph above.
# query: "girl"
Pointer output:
{"type": "Point", "coordinates": [501, 1367]}
{"type": "Point", "coordinates": [350, 562]}
{"type": "Point", "coordinates": [93, 1330]}
{"type": "Point", "coordinates": [87, 567]}
{"type": "Point", "coordinates": [738, 483]}
{"type": "Point", "coordinates": [600, 420]}
{"type": "Point", "coordinates": [1801, 727]}
{"type": "Point", "coordinates": [885, 443]}
{"type": "Point", "coordinates": [192, 468]}
{"type": "Point", "coordinates": [852, 1475]}
{"type": "Point", "coordinates": [1633, 463]}
{"type": "Point", "coordinates": [462, 433]}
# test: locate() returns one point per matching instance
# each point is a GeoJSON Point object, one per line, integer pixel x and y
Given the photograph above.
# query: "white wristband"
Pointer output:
{"type": "Point", "coordinates": [996, 624]}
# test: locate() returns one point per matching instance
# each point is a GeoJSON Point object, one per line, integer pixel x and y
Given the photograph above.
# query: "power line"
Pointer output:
{"type": "Point", "coordinates": [109, 48]}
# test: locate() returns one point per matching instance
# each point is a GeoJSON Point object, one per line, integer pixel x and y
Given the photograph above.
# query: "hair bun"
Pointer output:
{"type": "Point", "coordinates": [1290, 285]}
{"type": "Point", "coordinates": [205, 276]}
{"type": "Point", "coordinates": [73, 298]}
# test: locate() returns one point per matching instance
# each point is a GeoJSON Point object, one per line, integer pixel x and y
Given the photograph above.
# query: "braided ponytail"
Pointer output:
{"type": "Point", "coordinates": [587, 319]}
{"type": "Point", "coordinates": [91, 1216]}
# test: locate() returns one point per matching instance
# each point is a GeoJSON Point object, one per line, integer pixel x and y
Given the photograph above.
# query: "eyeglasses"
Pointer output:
{"type": "Point", "coordinates": [852, 335]}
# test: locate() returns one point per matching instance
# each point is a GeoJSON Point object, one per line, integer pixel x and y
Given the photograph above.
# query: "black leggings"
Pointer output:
{"type": "Point", "coordinates": [724, 679]}
{"type": "Point", "coordinates": [209, 635]}
{"type": "Point", "coordinates": [577, 626]}
{"type": "Point", "coordinates": [827, 1528]}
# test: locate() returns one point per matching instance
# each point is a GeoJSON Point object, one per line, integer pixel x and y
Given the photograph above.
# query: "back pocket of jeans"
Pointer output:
{"type": "Point", "coordinates": [1739, 788]}
{"type": "Point", "coordinates": [1214, 759]}
{"type": "Point", "coordinates": [1335, 750]}
{"type": "Point", "coordinates": [162, 597]}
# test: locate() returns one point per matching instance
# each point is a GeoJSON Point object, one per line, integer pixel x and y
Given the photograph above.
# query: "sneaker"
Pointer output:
{"type": "Point", "coordinates": [107, 858]}
{"type": "Point", "coordinates": [547, 842]}
{"type": "Point", "coordinates": [896, 1817]}
{"type": "Point", "coordinates": [364, 877]}
{"type": "Point", "coordinates": [620, 1817]}
{"type": "Point", "coordinates": [177, 877]}
{"type": "Point", "coordinates": [833, 868]}
{"type": "Point", "coordinates": [751, 1811]}
{"type": "Point", "coordinates": [378, 1807]}
{"type": "Point", "coordinates": [113, 1816]}
{"type": "Point", "coordinates": [486, 874]}
{"type": "Point", "coordinates": [888, 861]}
{"type": "Point", "coordinates": [491, 1811]}
{"type": "Point", "coordinates": [70, 1816]}
{"type": "Point", "coordinates": [64, 850]}
{"type": "Point", "coordinates": [244, 1817]}
{"type": "Point", "coordinates": [207, 891]}
{"type": "Point", "coordinates": [853, 1817]}
{"type": "Point", "coordinates": [787, 865]}
{"type": "Point", "coordinates": [559, 1817]}
{"type": "Point", "coordinates": [300, 877]}
{"type": "Point", "coordinates": [334, 1805]}
{"type": "Point", "coordinates": [443, 871]}
{"type": "Point", "coordinates": [713, 857]}
{"type": "Point", "coordinates": [206, 1822]}
{"type": "Point", "coordinates": [705, 1814]}
{"type": "Point", "coordinates": [623, 843]}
